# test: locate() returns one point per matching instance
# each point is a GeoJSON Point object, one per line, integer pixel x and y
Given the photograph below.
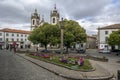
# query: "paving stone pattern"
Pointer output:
{"type": "Point", "coordinates": [13, 67]}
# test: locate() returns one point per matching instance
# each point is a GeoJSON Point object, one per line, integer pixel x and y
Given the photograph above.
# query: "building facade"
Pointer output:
{"type": "Point", "coordinates": [91, 42]}
{"type": "Point", "coordinates": [103, 34]}
{"type": "Point", "coordinates": [11, 36]}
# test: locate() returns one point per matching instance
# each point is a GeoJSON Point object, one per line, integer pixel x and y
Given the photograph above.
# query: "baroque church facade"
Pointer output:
{"type": "Point", "coordinates": [36, 20]}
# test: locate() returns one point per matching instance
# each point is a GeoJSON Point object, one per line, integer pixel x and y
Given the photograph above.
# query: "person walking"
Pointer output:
{"type": "Point", "coordinates": [37, 49]}
{"type": "Point", "coordinates": [10, 47]}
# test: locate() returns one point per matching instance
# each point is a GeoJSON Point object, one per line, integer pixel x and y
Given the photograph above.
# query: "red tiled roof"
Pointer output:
{"type": "Point", "coordinates": [114, 26]}
{"type": "Point", "coordinates": [91, 37]}
{"type": "Point", "coordinates": [15, 31]}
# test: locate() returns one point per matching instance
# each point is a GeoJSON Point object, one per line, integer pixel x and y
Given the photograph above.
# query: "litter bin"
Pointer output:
{"type": "Point", "coordinates": [118, 74]}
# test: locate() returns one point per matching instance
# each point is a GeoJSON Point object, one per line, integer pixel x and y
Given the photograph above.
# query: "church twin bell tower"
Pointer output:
{"type": "Point", "coordinates": [54, 16]}
{"type": "Point", "coordinates": [36, 21]}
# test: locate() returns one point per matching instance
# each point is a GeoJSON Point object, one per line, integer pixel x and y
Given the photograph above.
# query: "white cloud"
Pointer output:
{"type": "Point", "coordinates": [109, 14]}
{"type": "Point", "coordinates": [89, 13]}
{"type": "Point", "coordinates": [16, 26]}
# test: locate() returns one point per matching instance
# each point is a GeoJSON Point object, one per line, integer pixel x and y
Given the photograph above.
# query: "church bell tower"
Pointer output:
{"type": "Point", "coordinates": [35, 19]}
{"type": "Point", "coordinates": [54, 16]}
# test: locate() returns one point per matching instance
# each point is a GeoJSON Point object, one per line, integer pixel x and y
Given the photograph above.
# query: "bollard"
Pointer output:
{"type": "Point", "coordinates": [118, 74]}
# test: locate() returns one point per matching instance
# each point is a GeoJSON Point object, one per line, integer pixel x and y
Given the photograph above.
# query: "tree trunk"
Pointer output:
{"type": "Point", "coordinates": [67, 47]}
{"type": "Point", "coordinates": [45, 47]}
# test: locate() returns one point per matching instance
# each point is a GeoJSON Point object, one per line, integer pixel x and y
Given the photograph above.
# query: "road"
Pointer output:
{"type": "Point", "coordinates": [13, 67]}
{"type": "Point", "coordinates": [112, 65]}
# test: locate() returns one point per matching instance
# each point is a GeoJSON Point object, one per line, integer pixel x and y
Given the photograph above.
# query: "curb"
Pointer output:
{"type": "Point", "coordinates": [70, 78]}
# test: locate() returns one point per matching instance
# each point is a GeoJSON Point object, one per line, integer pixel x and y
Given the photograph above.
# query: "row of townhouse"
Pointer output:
{"type": "Point", "coordinates": [20, 37]}
{"type": "Point", "coordinates": [103, 34]}
{"type": "Point", "coordinates": [10, 36]}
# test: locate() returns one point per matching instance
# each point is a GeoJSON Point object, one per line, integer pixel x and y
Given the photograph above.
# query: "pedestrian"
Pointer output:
{"type": "Point", "coordinates": [10, 47]}
{"type": "Point", "coordinates": [37, 49]}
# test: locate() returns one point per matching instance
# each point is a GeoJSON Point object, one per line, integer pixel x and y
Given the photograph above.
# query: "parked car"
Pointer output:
{"type": "Point", "coordinates": [104, 51]}
{"type": "Point", "coordinates": [45, 51]}
{"type": "Point", "coordinates": [81, 50]}
{"type": "Point", "coordinates": [117, 51]}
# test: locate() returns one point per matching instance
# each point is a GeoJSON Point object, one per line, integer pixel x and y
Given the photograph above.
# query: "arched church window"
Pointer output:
{"type": "Point", "coordinates": [53, 20]}
{"type": "Point", "coordinates": [33, 22]}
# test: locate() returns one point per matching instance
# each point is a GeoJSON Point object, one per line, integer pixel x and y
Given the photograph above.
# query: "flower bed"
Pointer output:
{"type": "Point", "coordinates": [74, 63]}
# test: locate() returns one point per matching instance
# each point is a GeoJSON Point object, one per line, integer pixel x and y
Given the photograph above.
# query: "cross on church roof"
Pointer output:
{"type": "Point", "coordinates": [35, 10]}
{"type": "Point", "coordinates": [55, 6]}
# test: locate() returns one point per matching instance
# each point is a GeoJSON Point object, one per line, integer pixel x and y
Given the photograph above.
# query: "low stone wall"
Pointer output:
{"type": "Point", "coordinates": [103, 59]}
{"type": "Point", "coordinates": [23, 51]}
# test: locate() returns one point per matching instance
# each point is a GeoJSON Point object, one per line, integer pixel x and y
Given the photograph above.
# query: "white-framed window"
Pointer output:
{"type": "Point", "coordinates": [12, 34]}
{"type": "Point", "coordinates": [12, 39]}
{"type": "Point", "coordinates": [21, 39]}
{"type": "Point", "coordinates": [21, 35]}
{"type": "Point", "coordinates": [17, 35]}
{"type": "Point", "coordinates": [25, 35]}
{"type": "Point", "coordinates": [0, 34]}
{"type": "Point", "coordinates": [101, 45]}
{"type": "Point", "coordinates": [53, 20]}
{"type": "Point", "coordinates": [7, 34]}
{"type": "Point", "coordinates": [106, 39]}
{"type": "Point", "coordinates": [0, 39]}
{"type": "Point", "coordinates": [33, 21]}
{"type": "Point", "coordinates": [106, 32]}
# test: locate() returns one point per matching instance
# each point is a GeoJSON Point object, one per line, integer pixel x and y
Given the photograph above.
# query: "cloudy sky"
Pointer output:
{"type": "Point", "coordinates": [90, 14]}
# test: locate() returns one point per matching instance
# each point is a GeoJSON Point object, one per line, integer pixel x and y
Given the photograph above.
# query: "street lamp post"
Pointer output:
{"type": "Point", "coordinates": [62, 31]}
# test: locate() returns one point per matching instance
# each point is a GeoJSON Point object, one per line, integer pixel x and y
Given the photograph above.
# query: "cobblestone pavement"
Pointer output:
{"type": "Point", "coordinates": [111, 65]}
{"type": "Point", "coordinates": [13, 67]}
